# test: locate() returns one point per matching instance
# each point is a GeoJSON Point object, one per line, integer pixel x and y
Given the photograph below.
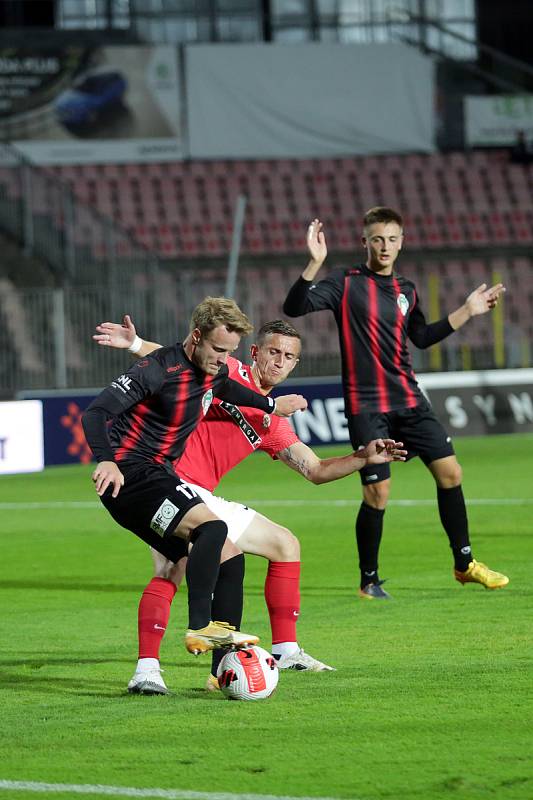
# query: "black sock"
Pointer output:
{"type": "Point", "coordinates": [227, 600]}
{"type": "Point", "coordinates": [368, 530]}
{"type": "Point", "coordinates": [202, 569]}
{"type": "Point", "coordinates": [452, 512]}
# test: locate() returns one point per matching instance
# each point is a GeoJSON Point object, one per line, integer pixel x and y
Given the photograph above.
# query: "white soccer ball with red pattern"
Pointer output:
{"type": "Point", "coordinates": [250, 674]}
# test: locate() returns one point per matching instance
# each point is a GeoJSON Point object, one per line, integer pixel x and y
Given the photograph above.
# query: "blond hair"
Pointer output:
{"type": "Point", "coordinates": [215, 311]}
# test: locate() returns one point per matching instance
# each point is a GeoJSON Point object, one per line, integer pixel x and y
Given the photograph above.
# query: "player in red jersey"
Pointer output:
{"type": "Point", "coordinates": [376, 311]}
{"type": "Point", "coordinates": [227, 435]}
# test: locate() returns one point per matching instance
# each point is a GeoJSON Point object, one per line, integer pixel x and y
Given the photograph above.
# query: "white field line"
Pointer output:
{"type": "Point", "coordinates": [129, 791]}
{"type": "Point", "coordinates": [80, 504]}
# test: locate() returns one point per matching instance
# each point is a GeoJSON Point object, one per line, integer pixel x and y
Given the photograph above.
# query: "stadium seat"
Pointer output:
{"type": "Point", "coordinates": [439, 189]}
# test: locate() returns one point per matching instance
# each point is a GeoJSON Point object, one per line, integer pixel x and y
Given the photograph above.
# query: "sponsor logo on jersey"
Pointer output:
{"type": "Point", "coordinates": [123, 383]}
{"type": "Point", "coordinates": [245, 427]}
{"type": "Point", "coordinates": [175, 368]}
{"type": "Point", "coordinates": [143, 363]}
{"type": "Point", "coordinates": [403, 304]}
{"type": "Point", "coordinates": [163, 516]}
{"type": "Point", "coordinates": [207, 399]}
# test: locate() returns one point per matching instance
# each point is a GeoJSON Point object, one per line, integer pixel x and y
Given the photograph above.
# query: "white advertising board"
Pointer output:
{"type": "Point", "coordinates": [21, 436]}
{"type": "Point", "coordinates": [494, 121]}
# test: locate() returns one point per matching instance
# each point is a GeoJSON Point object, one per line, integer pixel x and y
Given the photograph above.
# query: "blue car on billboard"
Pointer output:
{"type": "Point", "coordinates": [92, 95]}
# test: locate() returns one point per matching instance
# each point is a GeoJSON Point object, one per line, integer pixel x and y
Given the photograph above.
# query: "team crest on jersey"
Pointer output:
{"type": "Point", "coordinates": [403, 304]}
{"type": "Point", "coordinates": [207, 399]}
{"type": "Point", "coordinates": [266, 421]}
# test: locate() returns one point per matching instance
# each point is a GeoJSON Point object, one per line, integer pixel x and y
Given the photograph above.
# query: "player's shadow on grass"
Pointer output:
{"type": "Point", "coordinates": [19, 682]}
{"type": "Point", "coordinates": [310, 591]}
{"type": "Point", "coordinates": [43, 661]}
{"type": "Point", "coordinates": [70, 585]}
{"type": "Point", "coordinates": [35, 683]}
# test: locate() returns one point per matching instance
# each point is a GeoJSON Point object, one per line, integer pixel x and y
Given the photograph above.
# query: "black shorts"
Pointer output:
{"type": "Point", "coordinates": [151, 504]}
{"type": "Point", "coordinates": [418, 428]}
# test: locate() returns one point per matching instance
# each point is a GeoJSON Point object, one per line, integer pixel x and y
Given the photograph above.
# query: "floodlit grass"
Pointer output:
{"type": "Point", "coordinates": [430, 697]}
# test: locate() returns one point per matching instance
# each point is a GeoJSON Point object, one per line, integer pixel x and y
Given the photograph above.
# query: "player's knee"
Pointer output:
{"type": "Point", "coordinates": [214, 529]}
{"type": "Point", "coordinates": [457, 475]}
{"type": "Point", "coordinates": [287, 546]}
{"type": "Point", "coordinates": [376, 495]}
{"type": "Point", "coordinates": [170, 571]}
{"type": "Point", "coordinates": [229, 551]}
{"type": "Point", "coordinates": [451, 476]}
{"type": "Point", "coordinates": [177, 572]}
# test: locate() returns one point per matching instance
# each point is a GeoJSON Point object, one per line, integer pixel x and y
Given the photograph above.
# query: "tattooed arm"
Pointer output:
{"type": "Point", "coordinates": [302, 459]}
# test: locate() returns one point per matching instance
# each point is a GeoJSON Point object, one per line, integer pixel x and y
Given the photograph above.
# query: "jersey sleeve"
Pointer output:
{"type": "Point", "coordinates": [280, 436]}
{"type": "Point", "coordinates": [143, 378]}
{"type": "Point", "coordinates": [423, 334]}
{"type": "Point", "coordinates": [305, 297]}
{"type": "Point", "coordinates": [232, 392]}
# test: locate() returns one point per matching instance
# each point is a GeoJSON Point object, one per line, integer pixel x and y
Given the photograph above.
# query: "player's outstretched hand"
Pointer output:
{"type": "Point", "coordinates": [482, 299]}
{"type": "Point", "coordinates": [381, 451]}
{"type": "Point", "coordinates": [316, 242]}
{"type": "Point", "coordinates": [111, 334]}
{"type": "Point", "coordinates": [287, 404]}
{"type": "Point", "coordinates": [105, 474]}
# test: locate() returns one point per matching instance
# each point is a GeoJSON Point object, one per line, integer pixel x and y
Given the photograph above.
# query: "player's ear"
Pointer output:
{"type": "Point", "coordinates": [196, 335]}
{"type": "Point", "coordinates": [253, 352]}
{"type": "Point", "coordinates": [364, 241]}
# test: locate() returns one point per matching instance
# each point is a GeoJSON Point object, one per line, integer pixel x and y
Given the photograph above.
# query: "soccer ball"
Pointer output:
{"type": "Point", "coordinates": [250, 674]}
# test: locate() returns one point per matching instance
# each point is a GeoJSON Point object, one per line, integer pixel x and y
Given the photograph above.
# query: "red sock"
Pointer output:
{"type": "Point", "coordinates": [282, 595]}
{"type": "Point", "coordinates": [154, 611]}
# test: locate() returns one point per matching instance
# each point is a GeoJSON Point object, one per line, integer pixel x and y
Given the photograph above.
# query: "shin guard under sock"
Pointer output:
{"type": "Point", "coordinates": [282, 595]}
{"type": "Point", "coordinates": [228, 599]}
{"type": "Point", "coordinates": [368, 530]}
{"type": "Point", "coordinates": [202, 570]}
{"type": "Point", "coordinates": [153, 615]}
{"type": "Point", "coordinates": [454, 520]}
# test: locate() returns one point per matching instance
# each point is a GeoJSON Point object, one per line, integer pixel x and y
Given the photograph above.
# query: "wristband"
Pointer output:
{"type": "Point", "coordinates": [136, 345]}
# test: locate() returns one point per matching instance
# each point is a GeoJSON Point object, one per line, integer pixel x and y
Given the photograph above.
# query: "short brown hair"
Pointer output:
{"type": "Point", "coordinates": [276, 326]}
{"type": "Point", "coordinates": [215, 311]}
{"type": "Point", "coordinates": [382, 214]}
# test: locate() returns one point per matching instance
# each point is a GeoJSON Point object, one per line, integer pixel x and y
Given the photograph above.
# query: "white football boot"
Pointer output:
{"type": "Point", "coordinates": [302, 661]}
{"type": "Point", "coordinates": [147, 682]}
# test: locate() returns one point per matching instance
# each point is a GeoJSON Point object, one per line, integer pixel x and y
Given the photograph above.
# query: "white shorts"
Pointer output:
{"type": "Point", "coordinates": [236, 516]}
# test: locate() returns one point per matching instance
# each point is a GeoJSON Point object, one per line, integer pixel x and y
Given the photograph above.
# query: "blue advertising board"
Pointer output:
{"type": "Point", "coordinates": [467, 403]}
{"type": "Point", "coordinates": [64, 442]}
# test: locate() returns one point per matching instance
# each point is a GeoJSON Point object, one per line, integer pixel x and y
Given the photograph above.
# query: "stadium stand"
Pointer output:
{"type": "Point", "coordinates": [468, 219]}
{"type": "Point", "coordinates": [449, 200]}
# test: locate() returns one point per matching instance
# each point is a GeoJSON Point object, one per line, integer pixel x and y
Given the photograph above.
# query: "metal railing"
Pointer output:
{"type": "Point", "coordinates": [81, 247]}
{"type": "Point", "coordinates": [45, 335]}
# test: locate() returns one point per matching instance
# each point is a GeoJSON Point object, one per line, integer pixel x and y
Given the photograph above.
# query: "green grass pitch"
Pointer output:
{"type": "Point", "coordinates": [432, 694]}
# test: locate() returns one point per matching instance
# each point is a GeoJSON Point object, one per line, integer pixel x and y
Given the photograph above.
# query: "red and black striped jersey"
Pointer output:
{"type": "Point", "coordinates": [156, 405]}
{"type": "Point", "coordinates": [375, 316]}
{"type": "Point", "coordinates": [229, 433]}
